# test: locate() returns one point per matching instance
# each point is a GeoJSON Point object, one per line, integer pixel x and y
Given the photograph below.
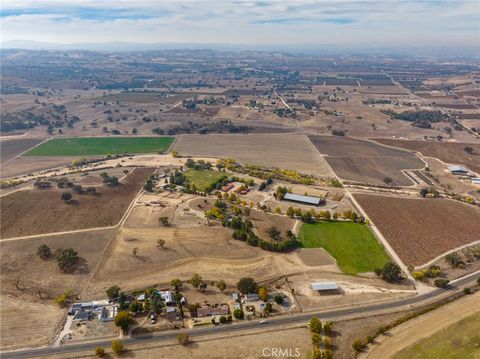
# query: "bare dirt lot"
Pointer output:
{"type": "Point", "coordinates": [29, 284]}
{"type": "Point", "coordinates": [449, 152]}
{"type": "Point", "coordinates": [421, 229]}
{"type": "Point", "coordinates": [25, 165]}
{"type": "Point", "coordinates": [12, 148]}
{"type": "Point", "coordinates": [262, 222]}
{"type": "Point", "coordinates": [290, 151]}
{"type": "Point", "coordinates": [37, 211]}
{"type": "Point", "coordinates": [364, 161]}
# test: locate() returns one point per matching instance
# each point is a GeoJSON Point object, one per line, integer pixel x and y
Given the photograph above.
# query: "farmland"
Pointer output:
{"type": "Point", "coordinates": [352, 245]}
{"type": "Point", "coordinates": [459, 340]}
{"type": "Point", "coordinates": [279, 150]}
{"type": "Point", "coordinates": [27, 311]}
{"type": "Point", "coordinates": [363, 161]}
{"type": "Point", "coordinates": [202, 180]}
{"type": "Point", "coordinates": [11, 148]}
{"type": "Point", "coordinates": [421, 229]}
{"type": "Point", "coordinates": [449, 152]}
{"type": "Point", "coordinates": [89, 146]}
{"type": "Point", "coordinates": [30, 212]}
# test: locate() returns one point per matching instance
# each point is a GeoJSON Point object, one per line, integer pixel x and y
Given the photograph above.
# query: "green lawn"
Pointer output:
{"type": "Point", "coordinates": [90, 146]}
{"type": "Point", "coordinates": [202, 179]}
{"type": "Point", "coordinates": [458, 341]}
{"type": "Point", "coordinates": [352, 245]}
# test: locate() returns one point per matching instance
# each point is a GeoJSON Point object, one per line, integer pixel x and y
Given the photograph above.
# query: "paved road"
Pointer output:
{"type": "Point", "coordinates": [272, 322]}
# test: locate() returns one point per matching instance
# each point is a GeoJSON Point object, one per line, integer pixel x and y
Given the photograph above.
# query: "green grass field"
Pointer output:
{"type": "Point", "coordinates": [458, 341]}
{"type": "Point", "coordinates": [91, 146]}
{"type": "Point", "coordinates": [352, 245]}
{"type": "Point", "coordinates": [202, 179]}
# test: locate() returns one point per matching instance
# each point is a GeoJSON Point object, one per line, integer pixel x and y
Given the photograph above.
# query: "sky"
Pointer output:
{"type": "Point", "coordinates": [369, 24]}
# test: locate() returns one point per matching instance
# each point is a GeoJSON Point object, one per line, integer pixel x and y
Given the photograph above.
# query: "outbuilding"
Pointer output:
{"type": "Point", "coordinates": [458, 170]}
{"type": "Point", "coordinates": [324, 286]}
{"type": "Point", "coordinates": [310, 200]}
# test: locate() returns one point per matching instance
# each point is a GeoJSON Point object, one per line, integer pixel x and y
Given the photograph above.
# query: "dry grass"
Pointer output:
{"type": "Point", "coordinates": [291, 151]}
{"type": "Point", "coordinates": [30, 212]}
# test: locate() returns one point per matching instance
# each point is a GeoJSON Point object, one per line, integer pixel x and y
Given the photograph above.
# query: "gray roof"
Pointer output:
{"type": "Point", "coordinates": [324, 285]}
{"type": "Point", "coordinates": [300, 198]}
{"type": "Point", "coordinates": [457, 168]}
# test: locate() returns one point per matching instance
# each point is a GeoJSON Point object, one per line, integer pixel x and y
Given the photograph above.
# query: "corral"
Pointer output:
{"type": "Point", "coordinates": [419, 230]}
{"type": "Point", "coordinates": [29, 212]}
{"type": "Point", "coordinates": [352, 245]}
{"type": "Point", "coordinates": [363, 161]}
{"type": "Point", "coordinates": [450, 152]}
{"type": "Point", "coordinates": [89, 146]}
{"type": "Point", "coordinates": [288, 151]}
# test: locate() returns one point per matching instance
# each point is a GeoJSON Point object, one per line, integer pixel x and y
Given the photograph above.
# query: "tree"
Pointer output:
{"type": "Point", "coordinates": [424, 192]}
{"type": "Point", "coordinates": [290, 212]}
{"type": "Point", "coordinates": [274, 232]}
{"type": "Point", "coordinates": [66, 197]}
{"type": "Point", "coordinates": [390, 272]}
{"type": "Point", "coordinates": [62, 300]}
{"type": "Point", "coordinates": [160, 243]}
{"type": "Point", "coordinates": [123, 320]}
{"type": "Point", "coordinates": [278, 299]}
{"type": "Point", "coordinates": [221, 285]}
{"type": "Point", "coordinates": [113, 292]}
{"type": "Point", "coordinates": [183, 338]}
{"type": "Point", "coordinates": [327, 327]}
{"type": "Point", "coordinates": [247, 285]}
{"type": "Point", "coordinates": [134, 131]}
{"type": "Point", "coordinates": [315, 325]}
{"type": "Point", "coordinates": [222, 319]}
{"type": "Point", "coordinates": [135, 251]}
{"type": "Point", "coordinates": [468, 150]}
{"type": "Point", "coordinates": [358, 345]}
{"type": "Point", "coordinates": [467, 291]}
{"type": "Point", "coordinates": [136, 307]}
{"type": "Point", "coordinates": [316, 339]}
{"type": "Point", "coordinates": [164, 221]}
{"type": "Point", "coordinates": [454, 260]}
{"type": "Point", "coordinates": [263, 294]}
{"type": "Point", "coordinates": [268, 308]}
{"type": "Point", "coordinates": [176, 283]}
{"type": "Point", "coordinates": [387, 180]}
{"type": "Point", "coordinates": [44, 252]}
{"type": "Point", "coordinates": [117, 347]}
{"type": "Point", "coordinates": [99, 352]}
{"type": "Point", "coordinates": [196, 280]}
{"type": "Point", "coordinates": [441, 282]}
{"type": "Point", "coordinates": [238, 314]}
{"type": "Point", "coordinates": [67, 259]}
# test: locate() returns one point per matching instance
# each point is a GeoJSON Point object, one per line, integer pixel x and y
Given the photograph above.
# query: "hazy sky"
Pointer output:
{"type": "Point", "coordinates": [346, 23]}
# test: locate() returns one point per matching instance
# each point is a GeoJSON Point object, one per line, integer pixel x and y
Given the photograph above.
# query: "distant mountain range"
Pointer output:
{"type": "Point", "coordinates": [308, 49]}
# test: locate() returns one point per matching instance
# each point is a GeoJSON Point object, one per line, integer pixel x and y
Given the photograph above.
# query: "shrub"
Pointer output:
{"type": "Point", "coordinates": [117, 347]}
{"type": "Point", "coordinates": [467, 291]}
{"type": "Point", "coordinates": [441, 282]}
{"type": "Point", "coordinates": [278, 299]}
{"type": "Point", "coordinates": [183, 338]}
{"type": "Point", "coordinates": [44, 252]}
{"type": "Point", "coordinates": [418, 275]}
{"type": "Point", "coordinates": [238, 314]}
{"type": "Point", "coordinates": [99, 352]}
{"type": "Point", "coordinates": [358, 345]}
{"type": "Point", "coordinates": [222, 319]}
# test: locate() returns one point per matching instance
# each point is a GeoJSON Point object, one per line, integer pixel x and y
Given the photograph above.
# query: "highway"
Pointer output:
{"type": "Point", "coordinates": [291, 319]}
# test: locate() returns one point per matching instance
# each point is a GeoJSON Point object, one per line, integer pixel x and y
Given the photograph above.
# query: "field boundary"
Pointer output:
{"type": "Point", "coordinates": [448, 252]}
{"type": "Point", "coordinates": [382, 239]}
{"type": "Point", "coordinates": [91, 229]}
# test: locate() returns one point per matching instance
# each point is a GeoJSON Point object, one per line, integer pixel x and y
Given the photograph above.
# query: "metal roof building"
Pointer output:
{"type": "Point", "coordinates": [324, 286]}
{"type": "Point", "coordinates": [457, 169]}
{"type": "Point", "coordinates": [302, 199]}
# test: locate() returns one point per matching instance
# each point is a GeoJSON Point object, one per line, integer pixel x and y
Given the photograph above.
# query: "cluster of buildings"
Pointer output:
{"type": "Point", "coordinates": [461, 171]}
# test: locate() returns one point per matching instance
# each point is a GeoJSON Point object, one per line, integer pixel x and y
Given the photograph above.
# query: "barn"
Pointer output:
{"type": "Point", "coordinates": [310, 200]}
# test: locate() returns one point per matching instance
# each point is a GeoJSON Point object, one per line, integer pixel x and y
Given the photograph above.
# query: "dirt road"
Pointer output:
{"type": "Point", "coordinates": [423, 327]}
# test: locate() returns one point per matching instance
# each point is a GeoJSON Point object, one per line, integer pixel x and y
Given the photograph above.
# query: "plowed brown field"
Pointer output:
{"type": "Point", "coordinates": [30, 212]}
{"type": "Point", "coordinates": [450, 152]}
{"type": "Point", "coordinates": [421, 229]}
